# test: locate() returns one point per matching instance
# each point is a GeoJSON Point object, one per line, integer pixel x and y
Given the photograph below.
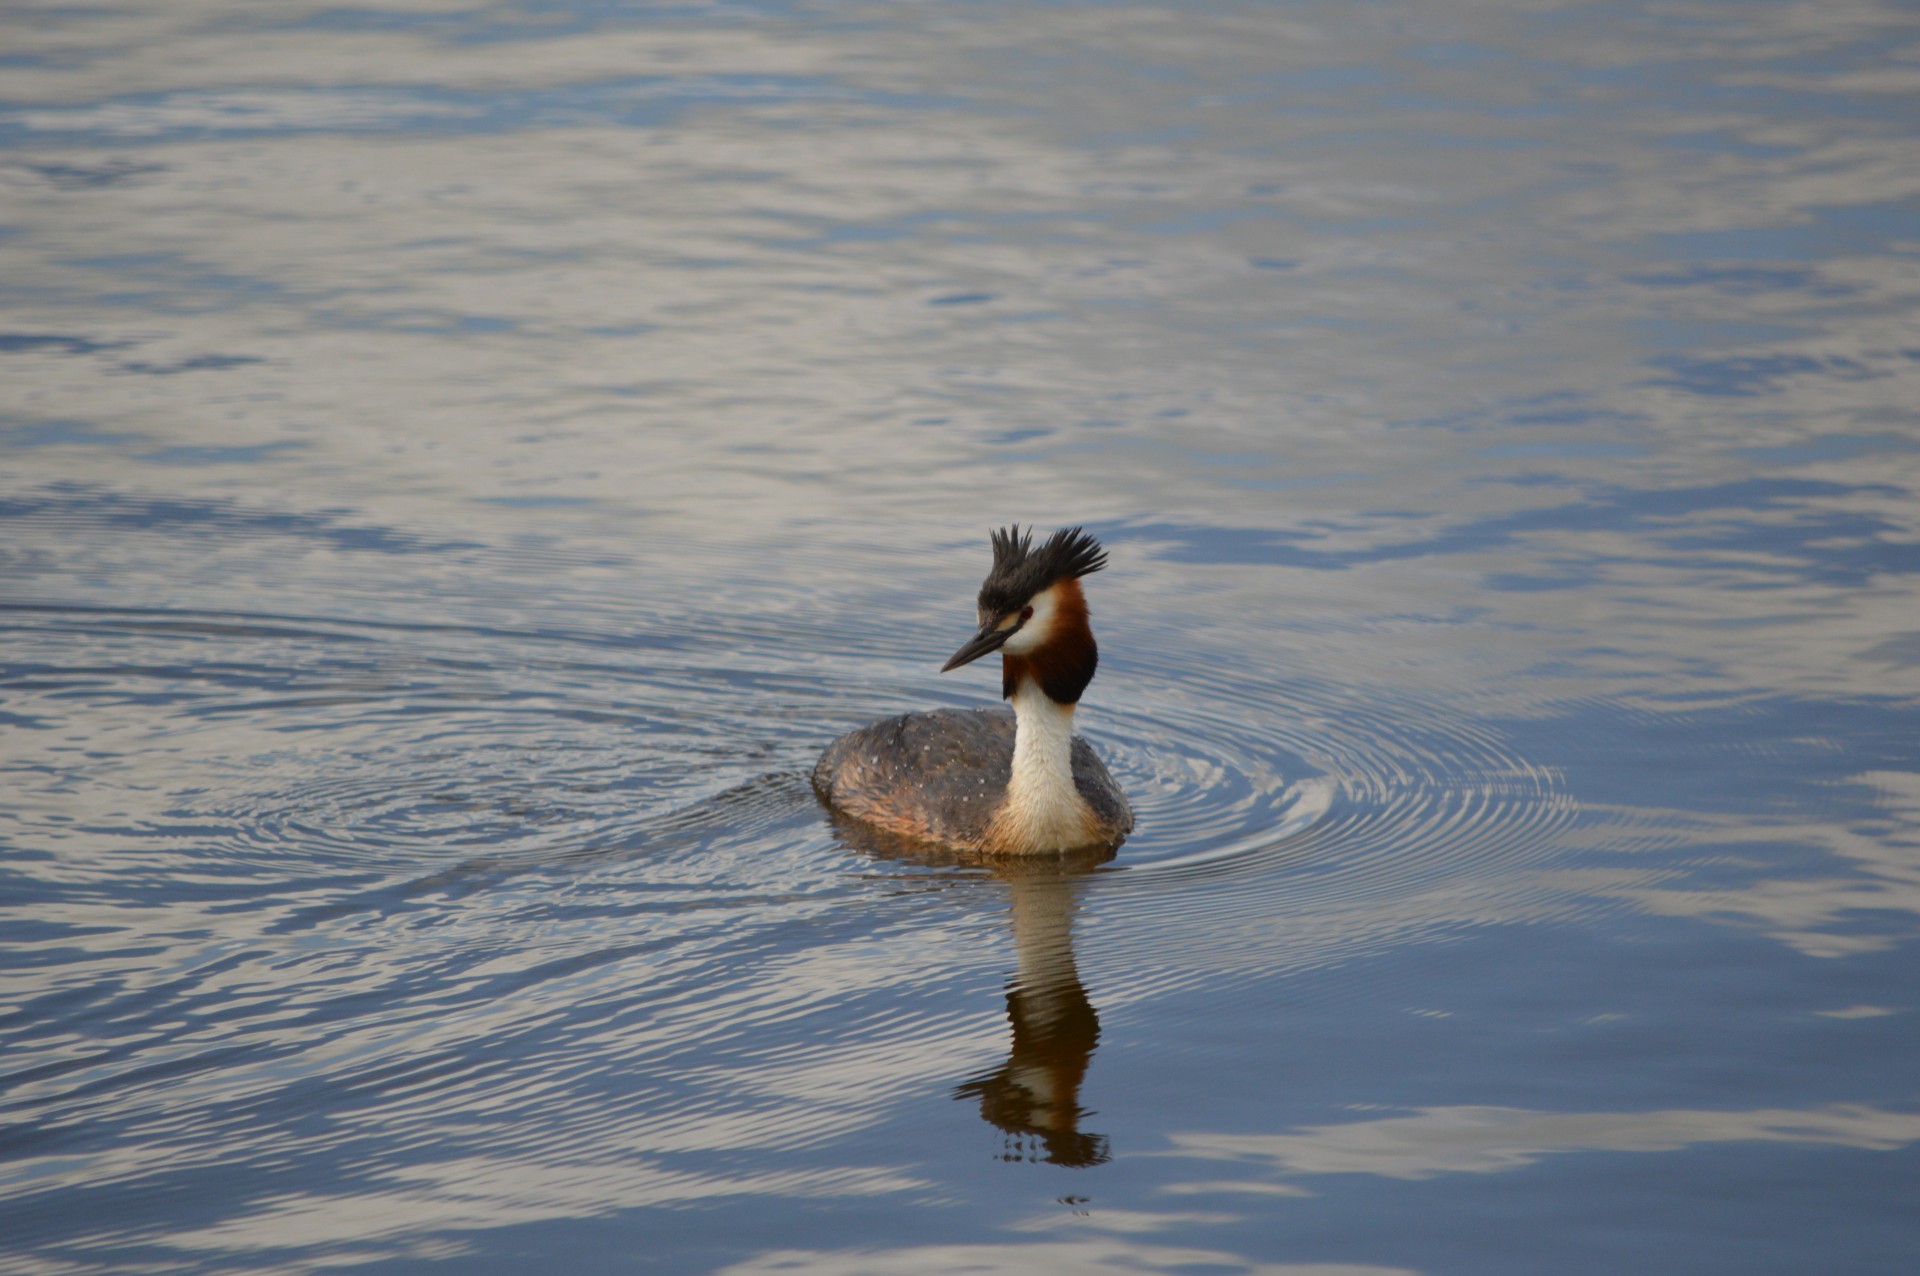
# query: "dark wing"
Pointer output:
{"type": "Point", "coordinates": [936, 775]}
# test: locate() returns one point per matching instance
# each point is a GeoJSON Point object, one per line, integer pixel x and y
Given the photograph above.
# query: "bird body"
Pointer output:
{"type": "Point", "coordinates": [986, 780]}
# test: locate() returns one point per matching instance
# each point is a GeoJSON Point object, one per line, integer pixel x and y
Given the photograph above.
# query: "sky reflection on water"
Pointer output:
{"type": "Point", "coordinates": [461, 463]}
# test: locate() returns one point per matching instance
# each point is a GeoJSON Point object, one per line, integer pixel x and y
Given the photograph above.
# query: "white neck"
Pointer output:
{"type": "Point", "coordinates": [1043, 810]}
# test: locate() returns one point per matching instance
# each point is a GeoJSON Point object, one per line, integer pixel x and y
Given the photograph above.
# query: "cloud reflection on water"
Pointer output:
{"type": "Point", "coordinates": [1475, 1140]}
{"type": "Point", "coordinates": [1822, 914]}
{"type": "Point", "coordinates": [1103, 1257]}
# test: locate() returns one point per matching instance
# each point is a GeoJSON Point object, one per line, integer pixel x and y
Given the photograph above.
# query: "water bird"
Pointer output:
{"type": "Point", "coordinates": [986, 780]}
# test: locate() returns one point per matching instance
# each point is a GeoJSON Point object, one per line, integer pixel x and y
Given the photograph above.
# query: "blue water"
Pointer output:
{"type": "Point", "coordinates": [459, 466]}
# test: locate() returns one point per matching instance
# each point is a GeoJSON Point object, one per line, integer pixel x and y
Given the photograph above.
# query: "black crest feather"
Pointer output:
{"type": "Point", "coordinates": [1020, 571]}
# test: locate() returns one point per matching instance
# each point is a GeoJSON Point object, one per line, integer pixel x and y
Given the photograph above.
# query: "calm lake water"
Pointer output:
{"type": "Point", "coordinates": [460, 463]}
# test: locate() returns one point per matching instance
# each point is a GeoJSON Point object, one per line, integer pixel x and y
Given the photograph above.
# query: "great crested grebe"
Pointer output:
{"type": "Point", "coordinates": [983, 779]}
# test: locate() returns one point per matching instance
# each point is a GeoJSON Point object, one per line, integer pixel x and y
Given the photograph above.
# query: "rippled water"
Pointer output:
{"type": "Point", "coordinates": [460, 464]}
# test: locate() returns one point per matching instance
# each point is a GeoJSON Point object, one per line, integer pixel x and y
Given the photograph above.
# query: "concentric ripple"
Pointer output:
{"type": "Point", "coordinates": [328, 748]}
{"type": "Point", "coordinates": [1322, 780]}
{"type": "Point", "coordinates": [405, 874]}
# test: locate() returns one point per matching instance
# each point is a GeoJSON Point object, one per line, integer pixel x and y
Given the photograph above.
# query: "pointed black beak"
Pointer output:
{"type": "Point", "coordinates": [988, 639]}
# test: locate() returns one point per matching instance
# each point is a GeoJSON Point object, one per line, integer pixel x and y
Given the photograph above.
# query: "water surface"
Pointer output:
{"type": "Point", "coordinates": [460, 465]}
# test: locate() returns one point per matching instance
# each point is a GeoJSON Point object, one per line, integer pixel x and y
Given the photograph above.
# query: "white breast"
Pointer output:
{"type": "Point", "coordinates": [1043, 810]}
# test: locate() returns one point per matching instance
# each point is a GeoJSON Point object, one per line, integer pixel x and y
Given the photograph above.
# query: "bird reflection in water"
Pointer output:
{"type": "Point", "coordinates": [1034, 1097]}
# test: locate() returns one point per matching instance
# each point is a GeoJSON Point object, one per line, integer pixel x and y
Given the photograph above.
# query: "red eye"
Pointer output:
{"type": "Point", "coordinates": [1026, 614]}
